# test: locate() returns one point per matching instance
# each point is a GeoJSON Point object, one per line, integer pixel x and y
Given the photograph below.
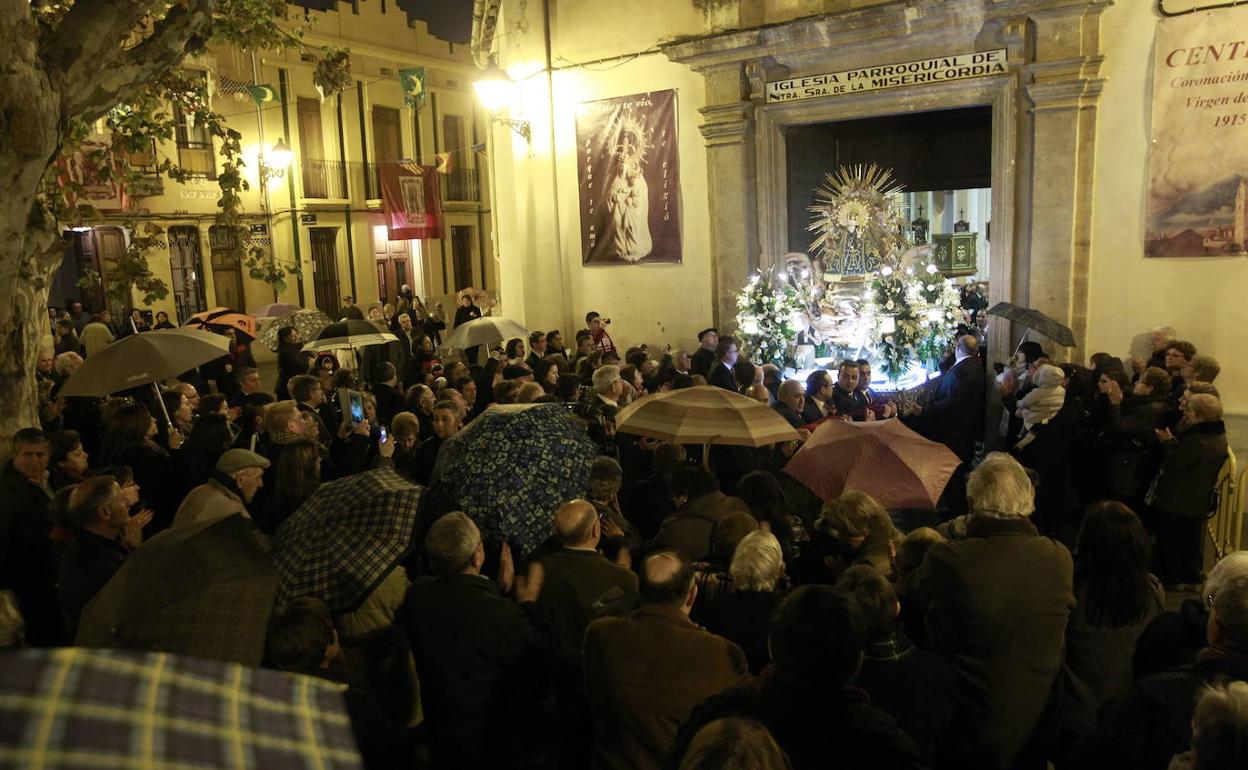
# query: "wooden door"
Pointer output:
{"type": "Point", "coordinates": [325, 269]}
{"type": "Point", "coordinates": [227, 272]}
{"type": "Point", "coordinates": [461, 256]}
{"type": "Point", "coordinates": [387, 141]}
{"type": "Point", "coordinates": [311, 149]}
{"type": "Point", "coordinates": [110, 250]}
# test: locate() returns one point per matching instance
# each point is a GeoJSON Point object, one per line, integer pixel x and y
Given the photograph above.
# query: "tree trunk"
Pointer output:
{"type": "Point", "coordinates": [30, 133]}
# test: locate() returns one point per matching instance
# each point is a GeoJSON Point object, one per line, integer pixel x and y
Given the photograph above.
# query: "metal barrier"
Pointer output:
{"type": "Point", "coordinates": [1226, 527]}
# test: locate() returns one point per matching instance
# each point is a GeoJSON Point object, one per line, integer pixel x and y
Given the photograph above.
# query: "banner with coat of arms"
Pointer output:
{"type": "Point", "coordinates": [411, 200]}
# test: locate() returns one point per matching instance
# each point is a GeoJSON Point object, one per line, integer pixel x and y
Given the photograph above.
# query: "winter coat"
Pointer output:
{"type": "Point", "coordinates": [1153, 722]}
{"type": "Point", "coordinates": [211, 501]}
{"type": "Point", "coordinates": [689, 529]}
{"type": "Point", "coordinates": [644, 674]}
{"type": "Point", "coordinates": [1099, 662]}
{"type": "Point", "coordinates": [1184, 485]}
{"type": "Point", "coordinates": [998, 604]}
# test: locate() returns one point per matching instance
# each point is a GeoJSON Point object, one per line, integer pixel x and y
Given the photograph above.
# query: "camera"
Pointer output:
{"type": "Point", "coordinates": [606, 322]}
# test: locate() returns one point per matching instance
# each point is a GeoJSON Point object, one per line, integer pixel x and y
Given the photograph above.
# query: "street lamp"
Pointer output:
{"type": "Point", "coordinates": [273, 164]}
{"type": "Point", "coordinates": [497, 91]}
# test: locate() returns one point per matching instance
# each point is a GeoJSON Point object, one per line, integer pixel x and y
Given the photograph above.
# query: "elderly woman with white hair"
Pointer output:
{"type": "Point", "coordinates": [1182, 492]}
{"type": "Point", "coordinates": [1175, 638]}
{"type": "Point", "coordinates": [998, 604]}
{"type": "Point", "coordinates": [758, 579]}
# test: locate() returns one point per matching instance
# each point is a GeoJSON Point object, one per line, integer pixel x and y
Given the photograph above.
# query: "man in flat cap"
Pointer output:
{"type": "Point", "coordinates": [231, 487]}
{"type": "Point", "coordinates": [704, 358]}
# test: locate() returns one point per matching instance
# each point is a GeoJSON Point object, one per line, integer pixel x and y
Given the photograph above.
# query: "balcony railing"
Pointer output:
{"type": "Point", "coordinates": [324, 179]}
{"type": "Point", "coordinates": [462, 184]}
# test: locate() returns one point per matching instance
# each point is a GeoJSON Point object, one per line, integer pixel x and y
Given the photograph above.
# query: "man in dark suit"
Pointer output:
{"type": "Point", "coordinates": [818, 396]}
{"type": "Point", "coordinates": [537, 350]}
{"type": "Point", "coordinates": [702, 359]}
{"type": "Point", "coordinates": [954, 416]}
{"type": "Point", "coordinates": [476, 653]}
{"type": "Point", "coordinates": [645, 672]}
{"type": "Point", "coordinates": [389, 397]}
{"type": "Point", "coordinates": [790, 401]}
{"type": "Point", "coordinates": [721, 368]}
{"type": "Point", "coordinates": [27, 561]}
{"type": "Point", "coordinates": [847, 399]}
{"type": "Point", "coordinates": [581, 585]}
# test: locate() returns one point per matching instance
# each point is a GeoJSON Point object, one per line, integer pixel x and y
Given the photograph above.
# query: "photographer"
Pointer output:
{"type": "Point", "coordinates": [598, 332]}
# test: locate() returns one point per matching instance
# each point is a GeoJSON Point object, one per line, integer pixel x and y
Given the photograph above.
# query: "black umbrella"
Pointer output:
{"type": "Point", "coordinates": [1036, 321]}
{"type": "Point", "coordinates": [348, 334]}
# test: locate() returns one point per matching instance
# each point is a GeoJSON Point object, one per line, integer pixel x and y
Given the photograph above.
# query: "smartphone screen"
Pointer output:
{"type": "Point", "coordinates": [383, 433]}
{"type": "Point", "coordinates": [357, 408]}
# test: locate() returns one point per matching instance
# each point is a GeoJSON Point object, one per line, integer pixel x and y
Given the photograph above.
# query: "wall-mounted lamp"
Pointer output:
{"type": "Point", "coordinates": [497, 91]}
{"type": "Point", "coordinates": [274, 163]}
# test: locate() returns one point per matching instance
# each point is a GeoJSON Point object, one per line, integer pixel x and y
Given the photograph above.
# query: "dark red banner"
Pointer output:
{"type": "Point", "coordinates": [411, 200]}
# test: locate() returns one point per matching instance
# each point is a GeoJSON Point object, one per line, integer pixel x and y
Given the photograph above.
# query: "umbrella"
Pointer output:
{"type": "Point", "coordinates": [348, 334]}
{"type": "Point", "coordinates": [77, 709]}
{"type": "Point", "coordinates": [885, 459]}
{"type": "Point", "coordinates": [704, 415]}
{"type": "Point", "coordinates": [1036, 321]}
{"type": "Point", "coordinates": [224, 316]}
{"type": "Point", "coordinates": [308, 322]}
{"type": "Point", "coordinates": [484, 331]}
{"type": "Point", "coordinates": [345, 539]}
{"type": "Point", "coordinates": [512, 467]}
{"type": "Point", "coordinates": [276, 310]}
{"type": "Point", "coordinates": [205, 591]}
{"type": "Point", "coordinates": [139, 359]}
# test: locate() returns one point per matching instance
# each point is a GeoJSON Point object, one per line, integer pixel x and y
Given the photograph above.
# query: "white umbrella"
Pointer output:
{"type": "Point", "coordinates": [484, 331]}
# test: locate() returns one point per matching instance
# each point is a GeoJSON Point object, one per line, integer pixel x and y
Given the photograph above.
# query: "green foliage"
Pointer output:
{"type": "Point", "coordinates": [146, 121]}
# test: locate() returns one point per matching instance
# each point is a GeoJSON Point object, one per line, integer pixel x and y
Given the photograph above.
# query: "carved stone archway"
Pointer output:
{"type": "Point", "coordinates": [1044, 130]}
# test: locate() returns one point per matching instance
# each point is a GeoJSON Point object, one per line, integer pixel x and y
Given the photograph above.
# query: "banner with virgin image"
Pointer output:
{"type": "Point", "coordinates": [410, 200]}
{"type": "Point", "coordinates": [629, 173]}
{"type": "Point", "coordinates": [1198, 159]}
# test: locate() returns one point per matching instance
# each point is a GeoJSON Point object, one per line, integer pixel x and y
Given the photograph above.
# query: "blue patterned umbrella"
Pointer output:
{"type": "Point", "coordinates": [512, 467]}
{"type": "Point", "coordinates": [346, 538]}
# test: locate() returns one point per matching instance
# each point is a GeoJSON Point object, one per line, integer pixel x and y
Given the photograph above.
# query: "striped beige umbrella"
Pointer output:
{"type": "Point", "coordinates": [704, 415]}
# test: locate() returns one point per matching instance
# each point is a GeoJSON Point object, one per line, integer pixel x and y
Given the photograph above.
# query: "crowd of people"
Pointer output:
{"type": "Point", "coordinates": [696, 610]}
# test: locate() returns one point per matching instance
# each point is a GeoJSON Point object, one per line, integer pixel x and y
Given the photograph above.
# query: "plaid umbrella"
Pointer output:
{"type": "Point", "coordinates": [204, 591]}
{"type": "Point", "coordinates": [1036, 321]}
{"type": "Point", "coordinates": [345, 539]}
{"type": "Point", "coordinates": [348, 334]}
{"type": "Point", "coordinates": [139, 359]}
{"type": "Point", "coordinates": [79, 709]}
{"type": "Point", "coordinates": [512, 467]}
{"type": "Point", "coordinates": [484, 331]}
{"type": "Point", "coordinates": [704, 415]}
{"type": "Point", "coordinates": [224, 316]}
{"type": "Point", "coordinates": [885, 459]}
{"type": "Point", "coordinates": [308, 322]}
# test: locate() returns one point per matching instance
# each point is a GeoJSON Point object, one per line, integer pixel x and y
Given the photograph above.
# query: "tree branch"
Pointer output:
{"type": "Point", "coordinates": [92, 34]}
{"type": "Point", "coordinates": [88, 97]}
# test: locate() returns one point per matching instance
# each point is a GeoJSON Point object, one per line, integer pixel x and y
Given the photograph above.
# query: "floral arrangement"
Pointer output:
{"type": "Point", "coordinates": [771, 314]}
{"type": "Point", "coordinates": [916, 313]}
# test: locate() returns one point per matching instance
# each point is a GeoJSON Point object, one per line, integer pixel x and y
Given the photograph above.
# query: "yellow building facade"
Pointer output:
{"type": "Point", "coordinates": [323, 211]}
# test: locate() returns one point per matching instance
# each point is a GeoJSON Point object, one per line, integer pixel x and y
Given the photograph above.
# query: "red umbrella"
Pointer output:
{"type": "Point", "coordinates": [885, 459]}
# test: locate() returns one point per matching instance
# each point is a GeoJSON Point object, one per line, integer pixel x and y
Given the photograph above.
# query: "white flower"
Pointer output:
{"type": "Point", "coordinates": [931, 268]}
{"type": "Point", "coordinates": [929, 287]}
{"type": "Point", "coordinates": [889, 305]}
{"type": "Point", "coordinates": [749, 325]}
{"type": "Point", "coordinates": [886, 270]}
{"type": "Point", "coordinates": [909, 271]}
